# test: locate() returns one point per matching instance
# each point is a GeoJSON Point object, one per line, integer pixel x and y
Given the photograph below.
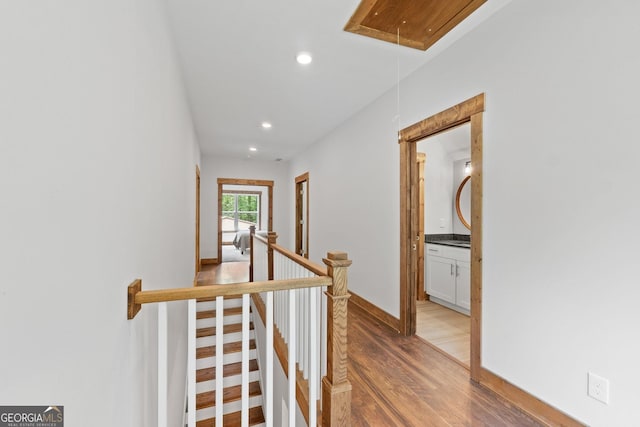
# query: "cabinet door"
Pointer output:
{"type": "Point", "coordinates": [441, 279]}
{"type": "Point", "coordinates": [463, 284]}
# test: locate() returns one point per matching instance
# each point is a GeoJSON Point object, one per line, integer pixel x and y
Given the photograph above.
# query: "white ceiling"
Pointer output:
{"type": "Point", "coordinates": [238, 62]}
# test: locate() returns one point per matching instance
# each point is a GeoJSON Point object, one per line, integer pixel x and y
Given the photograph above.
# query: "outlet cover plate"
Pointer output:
{"type": "Point", "coordinates": [598, 388]}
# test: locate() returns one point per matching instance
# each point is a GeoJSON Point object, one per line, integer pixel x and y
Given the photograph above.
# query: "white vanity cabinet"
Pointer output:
{"type": "Point", "coordinates": [448, 276]}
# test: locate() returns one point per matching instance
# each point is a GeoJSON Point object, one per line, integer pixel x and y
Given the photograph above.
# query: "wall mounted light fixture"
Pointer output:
{"type": "Point", "coordinates": [467, 168]}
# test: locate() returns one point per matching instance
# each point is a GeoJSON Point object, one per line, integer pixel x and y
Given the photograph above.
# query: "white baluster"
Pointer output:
{"type": "Point", "coordinates": [286, 297]}
{"type": "Point", "coordinates": [299, 323]}
{"type": "Point", "coordinates": [268, 398]}
{"type": "Point", "coordinates": [245, 361]}
{"type": "Point", "coordinates": [313, 356]}
{"type": "Point", "coordinates": [305, 329]}
{"type": "Point", "coordinates": [292, 358]}
{"type": "Point", "coordinates": [162, 364]}
{"type": "Point", "coordinates": [219, 359]}
{"type": "Point", "coordinates": [191, 364]}
{"type": "Point", "coordinates": [323, 336]}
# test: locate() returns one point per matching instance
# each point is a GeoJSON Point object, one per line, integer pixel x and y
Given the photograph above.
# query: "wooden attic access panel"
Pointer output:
{"type": "Point", "coordinates": [421, 23]}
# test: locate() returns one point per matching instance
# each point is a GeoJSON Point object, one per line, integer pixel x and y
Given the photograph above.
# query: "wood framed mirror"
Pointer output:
{"type": "Point", "coordinates": [463, 202]}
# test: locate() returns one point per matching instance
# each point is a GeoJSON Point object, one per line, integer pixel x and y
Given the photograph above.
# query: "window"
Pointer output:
{"type": "Point", "coordinates": [240, 210]}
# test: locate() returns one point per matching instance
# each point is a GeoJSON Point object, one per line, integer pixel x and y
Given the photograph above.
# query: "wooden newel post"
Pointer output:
{"type": "Point", "coordinates": [336, 389]}
{"type": "Point", "coordinates": [272, 236]}
{"type": "Point", "coordinates": [252, 233]}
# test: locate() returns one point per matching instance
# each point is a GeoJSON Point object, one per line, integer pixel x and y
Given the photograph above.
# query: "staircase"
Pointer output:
{"type": "Point", "coordinates": [206, 375]}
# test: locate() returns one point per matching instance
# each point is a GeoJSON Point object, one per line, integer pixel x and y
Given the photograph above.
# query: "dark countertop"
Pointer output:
{"type": "Point", "coordinates": [455, 240]}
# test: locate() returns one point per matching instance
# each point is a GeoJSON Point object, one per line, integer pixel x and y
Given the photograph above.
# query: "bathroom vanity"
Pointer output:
{"type": "Point", "coordinates": [448, 273]}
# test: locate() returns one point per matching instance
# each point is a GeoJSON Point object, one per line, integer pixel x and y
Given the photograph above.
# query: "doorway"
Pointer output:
{"type": "Point", "coordinates": [469, 111]}
{"type": "Point", "coordinates": [236, 243]}
{"type": "Point", "coordinates": [302, 215]}
{"type": "Point", "coordinates": [442, 311]}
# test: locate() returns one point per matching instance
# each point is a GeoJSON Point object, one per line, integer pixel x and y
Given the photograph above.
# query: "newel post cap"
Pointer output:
{"type": "Point", "coordinates": [337, 259]}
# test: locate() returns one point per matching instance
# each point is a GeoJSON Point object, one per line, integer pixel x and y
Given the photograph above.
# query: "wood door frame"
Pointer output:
{"type": "Point", "coordinates": [421, 294]}
{"type": "Point", "coordinates": [469, 111]}
{"type": "Point", "coordinates": [197, 221]}
{"type": "Point", "coordinates": [299, 180]}
{"type": "Point", "coordinates": [235, 181]}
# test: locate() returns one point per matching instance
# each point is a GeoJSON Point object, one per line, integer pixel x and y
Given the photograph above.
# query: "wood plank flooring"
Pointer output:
{"type": "Point", "coordinates": [446, 329]}
{"type": "Point", "coordinates": [403, 381]}
{"type": "Point", "coordinates": [220, 274]}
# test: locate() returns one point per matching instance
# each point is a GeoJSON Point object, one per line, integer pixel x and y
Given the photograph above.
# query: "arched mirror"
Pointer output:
{"type": "Point", "coordinates": [463, 202]}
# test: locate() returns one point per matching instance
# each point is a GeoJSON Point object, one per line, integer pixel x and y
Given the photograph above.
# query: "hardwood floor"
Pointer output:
{"type": "Point", "coordinates": [403, 381]}
{"type": "Point", "coordinates": [446, 329]}
{"type": "Point", "coordinates": [227, 272]}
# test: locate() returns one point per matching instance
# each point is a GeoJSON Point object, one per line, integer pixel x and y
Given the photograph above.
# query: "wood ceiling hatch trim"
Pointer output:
{"type": "Point", "coordinates": [421, 22]}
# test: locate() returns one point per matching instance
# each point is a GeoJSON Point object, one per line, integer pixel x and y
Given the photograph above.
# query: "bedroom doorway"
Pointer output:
{"type": "Point", "coordinates": [241, 203]}
{"type": "Point", "coordinates": [302, 215]}
{"type": "Point", "coordinates": [469, 111]}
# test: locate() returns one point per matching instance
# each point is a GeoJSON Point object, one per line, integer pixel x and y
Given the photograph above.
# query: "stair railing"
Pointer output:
{"type": "Point", "coordinates": [312, 326]}
{"type": "Point", "coordinates": [336, 389]}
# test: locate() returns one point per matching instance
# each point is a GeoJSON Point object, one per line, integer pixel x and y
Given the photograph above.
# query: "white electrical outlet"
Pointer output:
{"type": "Point", "coordinates": [598, 388]}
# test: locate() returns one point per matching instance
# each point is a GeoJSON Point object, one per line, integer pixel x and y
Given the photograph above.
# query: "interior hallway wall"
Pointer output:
{"type": "Point", "coordinates": [214, 167]}
{"type": "Point", "coordinates": [560, 220]}
{"type": "Point", "coordinates": [97, 176]}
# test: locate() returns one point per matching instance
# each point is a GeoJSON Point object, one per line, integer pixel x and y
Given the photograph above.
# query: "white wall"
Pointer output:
{"type": "Point", "coordinates": [438, 176]}
{"type": "Point", "coordinates": [97, 176]}
{"type": "Point", "coordinates": [214, 167]}
{"type": "Point", "coordinates": [353, 205]}
{"type": "Point", "coordinates": [560, 286]}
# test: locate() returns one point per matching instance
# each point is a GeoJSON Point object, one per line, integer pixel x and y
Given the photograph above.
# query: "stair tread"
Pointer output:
{"type": "Point", "coordinates": [231, 394]}
{"type": "Point", "coordinates": [209, 314]}
{"type": "Point", "coordinates": [208, 374]}
{"type": "Point", "coordinates": [228, 329]}
{"type": "Point", "coordinates": [228, 348]}
{"type": "Point", "coordinates": [256, 416]}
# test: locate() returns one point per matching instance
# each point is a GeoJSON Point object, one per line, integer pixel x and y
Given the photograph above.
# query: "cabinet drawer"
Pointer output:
{"type": "Point", "coordinates": [459, 254]}
{"type": "Point", "coordinates": [435, 250]}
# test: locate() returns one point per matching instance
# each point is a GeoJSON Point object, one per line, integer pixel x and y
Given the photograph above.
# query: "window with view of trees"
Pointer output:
{"type": "Point", "coordinates": [240, 210]}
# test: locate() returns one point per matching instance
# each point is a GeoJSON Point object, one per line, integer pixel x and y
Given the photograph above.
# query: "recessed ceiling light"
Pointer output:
{"type": "Point", "coordinates": [266, 125]}
{"type": "Point", "coordinates": [253, 149]}
{"type": "Point", "coordinates": [304, 58]}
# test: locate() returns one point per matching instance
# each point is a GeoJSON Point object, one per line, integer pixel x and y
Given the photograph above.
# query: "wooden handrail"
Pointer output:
{"type": "Point", "coordinates": [137, 297]}
{"type": "Point", "coordinates": [299, 259]}
{"type": "Point", "coordinates": [270, 241]}
{"type": "Point", "coordinates": [262, 239]}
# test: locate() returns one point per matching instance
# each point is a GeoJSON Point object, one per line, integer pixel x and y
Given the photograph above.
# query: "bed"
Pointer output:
{"type": "Point", "coordinates": [241, 241]}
